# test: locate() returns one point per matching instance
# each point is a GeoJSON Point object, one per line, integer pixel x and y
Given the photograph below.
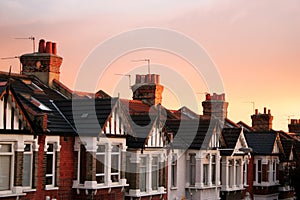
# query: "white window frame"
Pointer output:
{"type": "Point", "coordinates": [155, 168]}
{"type": "Point", "coordinates": [213, 169]}
{"type": "Point", "coordinates": [114, 153]}
{"type": "Point", "coordinates": [192, 167]}
{"type": "Point", "coordinates": [101, 154]}
{"type": "Point", "coordinates": [274, 170]}
{"type": "Point", "coordinates": [53, 153]}
{"type": "Point", "coordinates": [11, 165]}
{"type": "Point", "coordinates": [174, 171]}
{"type": "Point", "coordinates": [245, 173]}
{"type": "Point", "coordinates": [31, 164]}
{"type": "Point", "coordinates": [145, 172]}
{"type": "Point", "coordinates": [259, 172]}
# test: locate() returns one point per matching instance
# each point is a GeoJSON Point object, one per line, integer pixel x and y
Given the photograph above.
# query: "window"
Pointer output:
{"type": "Point", "coordinates": [213, 169]}
{"type": "Point", "coordinates": [230, 172]}
{"type": "Point", "coordinates": [100, 164]}
{"type": "Point", "coordinates": [205, 174]}
{"type": "Point", "coordinates": [269, 173]}
{"type": "Point", "coordinates": [143, 174]}
{"type": "Point", "coordinates": [6, 159]}
{"type": "Point", "coordinates": [238, 173]}
{"type": "Point", "coordinates": [192, 169]}
{"type": "Point", "coordinates": [259, 167]}
{"type": "Point", "coordinates": [115, 163]}
{"type": "Point", "coordinates": [174, 171]}
{"type": "Point", "coordinates": [274, 170]}
{"type": "Point", "coordinates": [27, 166]}
{"type": "Point", "coordinates": [154, 173]}
{"type": "Point", "coordinates": [245, 176]}
{"type": "Point", "coordinates": [50, 165]}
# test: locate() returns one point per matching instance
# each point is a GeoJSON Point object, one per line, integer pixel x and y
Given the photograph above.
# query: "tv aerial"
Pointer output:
{"type": "Point", "coordinates": [145, 60]}
{"type": "Point", "coordinates": [129, 77]}
{"type": "Point", "coordinates": [13, 57]}
{"type": "Point", "coordinates": [28, 38]}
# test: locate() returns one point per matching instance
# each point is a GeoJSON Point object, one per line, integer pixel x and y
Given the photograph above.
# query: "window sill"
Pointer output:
{"type": "Point", "coordinates": [51, 188]}
{"type": "Point", "coordinates": [29, 190]}
{"type": "Point", "coordinates": [174, 188]}
{"type": "Point", "coordinates": [10, 194]}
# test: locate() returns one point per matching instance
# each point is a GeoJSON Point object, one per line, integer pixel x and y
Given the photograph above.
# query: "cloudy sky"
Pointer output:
{"type": "Point", "coordinates": [254, 45]}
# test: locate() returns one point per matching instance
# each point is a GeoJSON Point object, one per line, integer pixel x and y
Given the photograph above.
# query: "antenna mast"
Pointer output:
{"type": "Point", "coordinates": [13, 57]}
{"type": "Point", "coordinates": [129, 78]}
{"type": "Point", "coordinates": [29, 38]}
{"type": "Point", "coordinates": [146, 59]}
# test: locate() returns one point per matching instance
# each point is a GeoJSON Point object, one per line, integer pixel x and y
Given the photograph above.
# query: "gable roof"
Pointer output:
{"type": "Point", "coordinates": [192, 134]}
{"type": "Point", "coordinates": [87, 116]}
{"type": "Point", "coordinates": [262, 143]}
{"type": "Point", "coordinates": [231, 136]}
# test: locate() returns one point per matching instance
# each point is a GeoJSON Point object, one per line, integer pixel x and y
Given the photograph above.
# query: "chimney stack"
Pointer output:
{"type": "Point", "coordinates": [147, 88]}
{"type": "Point", "coordinates": [294, 126]}
{"type": "Point", "coordinates": [262, 122]}
{"type": "Point", "coordinates": [215, 106]}
{"type": "Point", "coordinates": [44, 64]}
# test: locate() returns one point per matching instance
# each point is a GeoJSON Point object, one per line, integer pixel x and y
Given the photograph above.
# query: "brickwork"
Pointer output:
{"type": "Point", "coordinates": [265, 172]}
{"type": "Point", "coordinates": [18, 176]}
{"type": "Point", "coordinates": [103, 194]}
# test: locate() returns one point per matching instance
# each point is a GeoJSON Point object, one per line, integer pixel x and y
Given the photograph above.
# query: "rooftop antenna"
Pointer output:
{"type": "Point", "coordinates": [289, 118]}
{"type": "Point", "coordinates": [253, 105]}
{"type": "Point", "coordinates": [129, 78]}
{"type": "Point", "coordinates": [13, 57]}
{"type": "Point", "coordinates": [146, 59]}
{"type": "Point", "coordinates": [29, 38]}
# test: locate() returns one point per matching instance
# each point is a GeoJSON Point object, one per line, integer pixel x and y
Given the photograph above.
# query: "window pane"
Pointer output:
{"type": "Point", "coordinates": [27, 148]}
{"type": "Point", "coordinates": [174, 172]}
{"type": "Point", "coordinates": [192, 169]}
{"type": "Point", "coordinates": [142, 175]}
{"type": "Point", "coordinates": [100, 164]}
{"type": "Point", "coordinates": [114, 163]}
{"type": "Point", "coordinates": [49, 166]}
{"type": "Point", "coordinates": [50, 148]}
{"type": "Point", "coordinates": [115, 148]}
{"type": "Point", "coordinates": [154, 173]}
{"type": "Point", "coordinates": [5, 170]}
{"type": "Point", "coordinates": [5, 148]}
{"type": "Point", "coordinates": [26, 169]}
{"type": "Point", "coordinates": [100, 179]}
{"type": "Point", "coordinates": [101, 148]}
{"type": "Point", "coordinates": [49, 180]}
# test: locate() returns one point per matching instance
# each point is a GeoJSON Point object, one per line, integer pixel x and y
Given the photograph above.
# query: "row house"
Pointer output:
{"type": "Point", "coordinates": [56, 143]}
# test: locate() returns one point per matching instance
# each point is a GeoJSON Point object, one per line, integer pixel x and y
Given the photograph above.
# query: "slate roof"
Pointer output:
{"type": "Point", "coordinates": [87, 116]}
{"type": "Point", "coordinates": [287, 148]}
{"type": "Point", "coordinates": [192, 134]}
{"type": "Point", "coordinates": [36, 99]}
{"type": "Point", "coordinates": [262, 143]}
{"type": "Point", "coordinates": [231, 136]}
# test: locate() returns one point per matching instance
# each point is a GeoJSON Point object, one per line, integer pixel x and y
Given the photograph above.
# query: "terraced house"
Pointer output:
{"type": "Point", "coordinates": [56, 143]}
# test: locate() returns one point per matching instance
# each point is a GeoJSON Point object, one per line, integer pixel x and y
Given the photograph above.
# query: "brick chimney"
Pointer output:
{"type": "Point", "coordinates": [294, 126]}
{"type": "Point", "coordinates": [215, 106]}
{"type": "Point", "coordinates": [262, 121]}
{"type": "Point", "coordinates": [148, 89]}
{"type": "Point", "coordinates": [44, 64]}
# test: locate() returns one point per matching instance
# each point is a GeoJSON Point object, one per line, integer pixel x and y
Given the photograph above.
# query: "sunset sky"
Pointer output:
{"type": "Point", "coordinates": [255, 46]}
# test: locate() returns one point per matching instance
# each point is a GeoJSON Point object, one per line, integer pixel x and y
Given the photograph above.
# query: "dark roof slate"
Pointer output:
{"type": "Point", "coordinates": [261, 142]}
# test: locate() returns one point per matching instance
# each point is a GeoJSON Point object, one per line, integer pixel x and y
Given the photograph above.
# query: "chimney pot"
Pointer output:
{"type": "Point", "coordinates": [49, 47]}
{"type": "Point", "coordinates": [269, 112]}
{"type": "Point", "coordinates": [42, 46]}
{"type": "Point", "coordinates": [256, 111]}
{"type": "Point", "coordinates": [138, 79]}
{"type": "Point", "coordinates": [207, 97]}
{"type": "Point", "coordinates": [54, 48]}
{"type": "Point", "coordinates": [265, 110]}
